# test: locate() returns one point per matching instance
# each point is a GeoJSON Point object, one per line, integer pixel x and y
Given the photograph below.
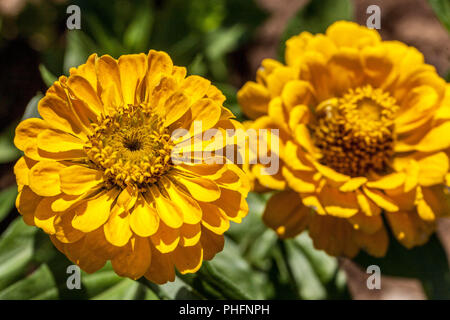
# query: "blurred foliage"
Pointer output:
{"type": "Point", "coordinates": [8, 151]}
{"type": "Point", "coordinates": [427, 263]}
{"type": "Point", "coordinates": [199, 34]}
{"type": "Point", "coordinates": [253, 265]}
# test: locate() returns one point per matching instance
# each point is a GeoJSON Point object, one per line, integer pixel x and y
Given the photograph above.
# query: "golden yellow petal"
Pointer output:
{"type": "Point", "coordinates": [433, 169]}
{"type": "Point", "coordinates": [176, 106]}
{"type": "Point", "coordinates": [337, 203]}
{"type": "Point", "coordinates": [117, 228]}
{"type": "Point", "coordinates": [165, 239]}
{"type": "Point", "coordinates": [27, 132]}
{"type": "Point", "coordinates": [211, 242]}
{"type": "Point", "coordinates": [195, 87]}
{"type": "Point", "coordinates": [76, 180]}
{"type": "Point", "coordinates": [409, 229]}
{"type": "Point", "coordinates": [161, 267]}
{"type": "Point", "coordinates": [353, 184]}
{"type": "Point", "coordinates": [350, 34]}
{"type": "Point", "coordinates": [213, 219]}
{"type": "Point", "coordinates": [57, 141]}
{"type": "Point", "coordinates": [134, 260]}
{"type": "Point", "coordinates": [81, 253]}
{"type": "Point", "coordinates": [21, 171]}
{"type": "Point", "coordinates": [108, 76]}
{"type": "Point", "coordinates": [132, 69]}
{"type": "Point", "coordinates": [190, 234]}
{"type": "Point", "coordinates": [366, 205]}
{"type": "Point", "coordinates": [192, 213]}
{"type": "Point", "coordinates": [254, 99]}
{"type": "Point", "coordinates": [382, 200]}
{"type": "Point", "coordinates": [83, 90]}
{"type": "Point", "coordinates": [201, 189]}
{"type": "Point", "coordinates": [375, 244]}
{"type": "Point", "coordinates": [391, 181]}
{"type": "Point", "coordinates": [64, 231]}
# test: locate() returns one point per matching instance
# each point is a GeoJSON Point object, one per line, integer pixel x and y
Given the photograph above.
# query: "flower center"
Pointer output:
{"type": "Point", "coordinates": [355, 133]}
{"type": "Point", "coordinates": [131, 147]}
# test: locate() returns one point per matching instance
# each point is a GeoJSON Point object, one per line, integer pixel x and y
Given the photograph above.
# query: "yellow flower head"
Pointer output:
{"type": "Point", "coordinates": [97, 173]}
{"type": "Point", "coordinates": [364, 128]}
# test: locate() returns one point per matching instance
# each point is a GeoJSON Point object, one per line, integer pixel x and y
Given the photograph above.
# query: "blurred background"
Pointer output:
{"type": "Point", "coordinates": [225, 41]}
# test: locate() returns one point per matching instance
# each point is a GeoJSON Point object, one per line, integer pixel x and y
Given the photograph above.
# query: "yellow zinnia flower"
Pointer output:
{"type": "Point", "coordinates": [364, 129]}
{"type": "Point", "coordinates": [97, 173]}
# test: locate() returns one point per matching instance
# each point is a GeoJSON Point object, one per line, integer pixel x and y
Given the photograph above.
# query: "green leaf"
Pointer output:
{"type": "Point", "coordinates": [39, 285]}
{"type": "Point", "coordinates": [315, 17]}
{"type": "Point", "coordinates": [7, 200]}
{"type": "Point", "coordinates": [260, 251]}
{"type": "Point", "coordinates": [442, 10]}
{"type": "Point", "coordinates": [252, 226]}
{"type": "Point", "coordinates": [230, 265]}
{"type": "Point", "coordinates": [428, 263]}
{"type": "Point", "coordinates": [31, 110]}
{"type": "Point", "coordinates": [198, 66]}
{"type": "Point", "coordinates": [324, 265]}
{"type": "Point", "coordinates": [127, 289]}
{"type": "Point", "coordinates": [47, 76]}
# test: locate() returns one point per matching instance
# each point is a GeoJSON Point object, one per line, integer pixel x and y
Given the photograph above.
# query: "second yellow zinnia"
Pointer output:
{"type": "Point", "coordinates": [364, 129]}
{"type": "Point", "coordinates": [97, 173]}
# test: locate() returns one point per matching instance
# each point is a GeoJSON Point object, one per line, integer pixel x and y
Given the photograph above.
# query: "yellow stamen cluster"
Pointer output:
{"type": "Point", "coordinates": [131, 146]}
{"type": "Point", "coordinates": [355, 133]}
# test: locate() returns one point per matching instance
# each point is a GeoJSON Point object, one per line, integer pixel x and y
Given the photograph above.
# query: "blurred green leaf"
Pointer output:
{"type": "Point", "coordinates": [16, 251]}
{"type": "Point", "coordinates": [324, 265]}
{"type": "Point", "coordinates": [206, 15]}
{"type": "Point", "coordinates": [79, 47]}
{"type": "Point", "coordinates": [39, 285]}
{"type": "Point", "coordinates": [7, 200]}
{"type": "Point", "coordinates": [251, 226]}
{"type": "Point", "coordinates": [315, 17]}
{"type": "Point", "coordinates": [8, 152]}
{"type": "Point", "coordinates": [31, 110]}
{"type": "Point", "coordinates": [227, 276]}
{"type": "Point", "coordinates": [137, 34]}
{"type": "Point", "coordinates": [428, 263]}
{"type": "Point", "coordinates": [47, 76]}
{"type": "Point", "coordinates": [442, 10]}
{"type": "Point", "coordinates": [32, 268]}
{"type": "Point", "coordinates": [230, 264]}
{"type": "Point", "coordinates": [260, 250]}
